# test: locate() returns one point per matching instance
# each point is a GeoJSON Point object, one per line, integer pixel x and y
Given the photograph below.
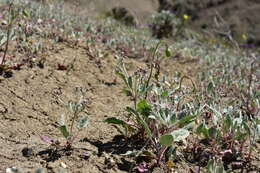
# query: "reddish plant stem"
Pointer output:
{"type": "Point", "coordinates": [8, 33]}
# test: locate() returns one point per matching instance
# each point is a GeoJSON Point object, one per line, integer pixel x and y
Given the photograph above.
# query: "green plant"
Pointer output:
{"type": "Point", "coordinates": [163, 24]}
{"type": "Point", "coordinates": [166, 24]}
{"type": "Point", "coordinates": [216, 166]}
{"type": "Point", "coordinates": [67, 130]}
{"type": "Point", "coordinates": [157, 114]}
{"type": "Point", "coordinates": [226, 131]}
{"type": "Point", "coordinates": [14, 12]}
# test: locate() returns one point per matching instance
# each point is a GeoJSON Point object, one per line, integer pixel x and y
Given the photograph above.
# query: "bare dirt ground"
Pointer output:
{"type": "Point", "coordinates": [30, 108]}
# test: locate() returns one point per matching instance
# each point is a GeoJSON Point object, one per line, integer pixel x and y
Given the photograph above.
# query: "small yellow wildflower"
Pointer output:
{"type": "Point", "coordinates": [170, 164]}
{"type": "Point", "coordinates": [186, 17]}
{"type": "Point", "coordinates": [244, 36]}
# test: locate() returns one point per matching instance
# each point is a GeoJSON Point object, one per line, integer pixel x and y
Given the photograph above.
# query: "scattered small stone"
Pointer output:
{"type": "Point", "coordinates": [52, 165]}
{"type": "Point", "coordinates": [63, 165]}
{"type": "Point", "coordinates": [7, 74]}
{"type": "Point", "coordinates": [12, 170]}
{"type": "Point", "coordinates": [3, 109]}
{"type": "Point", "coordinates": [85, 156]}
{"type": "Point", "coordinates": [40, 170]}
{"type": "Point", "coordinates": [27, 152]}
{"type": "Point", "coordinates": [110, 162]}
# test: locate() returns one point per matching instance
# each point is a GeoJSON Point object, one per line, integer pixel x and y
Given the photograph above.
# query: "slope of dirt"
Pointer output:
{"type": "Point", "coordinates": [30, 107]}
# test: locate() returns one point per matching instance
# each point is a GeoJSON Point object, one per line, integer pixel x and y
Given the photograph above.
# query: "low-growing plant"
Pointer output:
{"type": "Point", "coordinates": [10, 17]}
{"type": "Point", "coordinates": [157, 114]}
{"type": "Point", "coordinates": [166, 24]}
{"type": "Point", "coordinates": [227, 131]}
{"type": "Point", "coordinates": [163, 24]}
{"type": "Point", "coordinates": [216, 166]}
{"type": "Point", "coordinates": [68, 129]}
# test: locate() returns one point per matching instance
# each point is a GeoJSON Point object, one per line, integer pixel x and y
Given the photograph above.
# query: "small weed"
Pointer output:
{"type": "Point", "coordinates": [67, 130]}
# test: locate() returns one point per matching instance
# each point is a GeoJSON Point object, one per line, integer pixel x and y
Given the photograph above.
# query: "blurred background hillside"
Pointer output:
{"type": "Point", "coordinates": [239, 17]}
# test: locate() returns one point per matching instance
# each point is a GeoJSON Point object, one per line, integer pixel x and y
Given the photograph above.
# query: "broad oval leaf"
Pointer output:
{"type": "Point", "coordinates": [82, 122]}
{"type": "Point", "coordinates": [144, 108]}
{"type": "Point", "coordinates": [166, 139]}
{"type": "Point", "coordinates": [180, 134]}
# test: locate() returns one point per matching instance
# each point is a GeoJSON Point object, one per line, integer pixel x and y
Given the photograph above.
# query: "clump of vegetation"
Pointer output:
{"type": "Point", "coordinates": [157, 115]}
{"type": "Point", "coordinates": [166, 24]}
{"type": "Point", "coordinates": [163, 24]}
{"type": "Point", "coordinates": [221, 136]}
{"type": "Point", "coordinates": [123, 15]}
{"type": "Point", "coordinates": [12, 17]}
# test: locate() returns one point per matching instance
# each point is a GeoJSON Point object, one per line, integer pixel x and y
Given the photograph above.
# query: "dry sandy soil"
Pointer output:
{"type": "Point", "coordinates": [30, 108]}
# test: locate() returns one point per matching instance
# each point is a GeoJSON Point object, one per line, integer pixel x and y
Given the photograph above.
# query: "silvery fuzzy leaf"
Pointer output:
{"type": "Point", "coordinates": [82, 122]}
{"type": "Point", "coordinates": [180, 134]}
{"type": "Point", "coordinates": [62, 120]}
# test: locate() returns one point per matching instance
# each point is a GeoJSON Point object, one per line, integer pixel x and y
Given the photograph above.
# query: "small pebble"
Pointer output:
{"type": "Point", "coordinates": [12, 170]}
{"type": "Point", "coordinates": [7, 74]}
{"type": "Point", "coordinates": [63, 165]}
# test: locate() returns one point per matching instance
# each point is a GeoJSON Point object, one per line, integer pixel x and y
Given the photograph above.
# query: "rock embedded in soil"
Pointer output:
{"type": "Point", "coordinates": [27, 152]}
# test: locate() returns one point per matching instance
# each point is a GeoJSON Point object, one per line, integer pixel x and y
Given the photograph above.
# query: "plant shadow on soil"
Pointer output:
{"type": "Point", "coordinates": [117, 146]}
{"type": "Point", "coordinates": [52, 154]}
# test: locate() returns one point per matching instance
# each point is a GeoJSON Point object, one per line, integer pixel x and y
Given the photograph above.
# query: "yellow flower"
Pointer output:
{"type": "Point", "coordinates": [244, 36]}
{"type": "Point", "coordinates": [186, 17]}
{"type": "Point", "coordinates": [170, 164]}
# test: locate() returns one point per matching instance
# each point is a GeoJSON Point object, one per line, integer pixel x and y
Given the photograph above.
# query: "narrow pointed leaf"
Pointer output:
{"type": "Point", "coordinates": [130, 82]}
{"type": "Point", "coordinates": [62, 120]}
{"type": "Point", "coordinates": [114, 120]}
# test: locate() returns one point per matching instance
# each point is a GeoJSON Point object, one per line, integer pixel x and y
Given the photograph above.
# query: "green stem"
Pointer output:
{"type": "Point", "coordinates": [151, 68]}
{"type": "Point", "coordinates": [72, 124]}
